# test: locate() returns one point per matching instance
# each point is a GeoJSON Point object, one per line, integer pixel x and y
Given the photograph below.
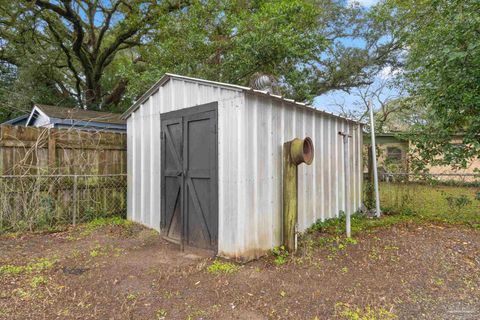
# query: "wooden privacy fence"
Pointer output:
{"type": "Point", "coordinates": [28, 150]}
{"type": "Point", "coordinates": [51, 177]}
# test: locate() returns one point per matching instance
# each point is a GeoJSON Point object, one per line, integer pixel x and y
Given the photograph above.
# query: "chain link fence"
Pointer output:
{"type": "Point", "coordinates": [439, 197]}
{"type": "Point", "coordinates": [45, 201]}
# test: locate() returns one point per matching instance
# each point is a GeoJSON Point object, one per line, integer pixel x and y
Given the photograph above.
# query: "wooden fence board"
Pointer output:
{"type": "Point", "coordinates": [28, 150]}
{"type": "Point", "coordinates": [33, 192]}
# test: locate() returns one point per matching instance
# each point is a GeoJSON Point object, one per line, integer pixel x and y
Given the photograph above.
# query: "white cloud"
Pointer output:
{"type": "Point", "coordinates": [364, 3]}
{"type": "Point", "coordinates": [388, 72]}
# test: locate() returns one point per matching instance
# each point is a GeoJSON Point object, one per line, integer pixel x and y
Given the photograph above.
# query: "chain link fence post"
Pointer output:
{"type": "Point", "coordinates": [29, 202]}
{"type": "Point", "coordinates": [75, 197]}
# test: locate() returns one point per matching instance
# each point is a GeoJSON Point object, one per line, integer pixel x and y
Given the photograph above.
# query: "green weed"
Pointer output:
{"type": "Point", "coordinates": [438, 281]}
{"type": "Point", "coordinates": [19, 292]}
{"type": "Point", "coordinates": [38, 281]}
{"type": "Point", "coordinates": [280, 254]}
{"type": "Point", "coordinates": [4, 312]}
{"type": "Point", "coordinates": [346, 311]}
{"type": "Point", "coordinates": [132, 296]}
{"type": "Point", "coordinates": [38, 266]}
{"type": "Point", "coordinates": [457, 203]}
{"type": "Point", "coordinates": [389, 247]}
{"type": "Point", "coordinates": [115, 221]}
{"type": "Point", "coordinates": [161, 314]}
{"type": "Point", "coordinates": [336, 244]}
{"type": "Point", "coordinates": [374, 254]}
{"type": "Point", "coordinates": [91, 226]}
{"type": "Point", "coordinates": [222, 267]}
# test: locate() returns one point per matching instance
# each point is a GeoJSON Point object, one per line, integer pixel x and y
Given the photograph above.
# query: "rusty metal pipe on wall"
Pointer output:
{"type": "Point", "coordinates": [295, 152]}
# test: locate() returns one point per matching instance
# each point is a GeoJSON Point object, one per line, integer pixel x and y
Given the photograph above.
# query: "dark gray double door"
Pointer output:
{"type": "Point", "coordinates": [189, 176]}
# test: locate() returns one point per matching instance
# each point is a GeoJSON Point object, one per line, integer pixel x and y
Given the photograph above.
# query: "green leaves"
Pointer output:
{"type": "Point", "coordinates": [230, 41]}
{"type": "Point", "coordinates": [442, 71]}
{"type": "Point", "coordinates": [299, 42]}
{"type": "Point", "coordinates": [103, 54]}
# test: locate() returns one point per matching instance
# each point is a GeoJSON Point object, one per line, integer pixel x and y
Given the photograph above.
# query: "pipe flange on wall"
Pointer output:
{"type": "Point", "coordinates": [301, 151]}
{"type": "Point", "coordinates": [295, 152]}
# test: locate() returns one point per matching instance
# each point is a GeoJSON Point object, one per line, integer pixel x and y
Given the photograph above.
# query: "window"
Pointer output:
{"type": "Point", "coordinates": [394, 154]}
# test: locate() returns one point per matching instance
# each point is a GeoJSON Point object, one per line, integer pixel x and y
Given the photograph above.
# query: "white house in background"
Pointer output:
{"type": "Point", "coordinates": [61, 117]}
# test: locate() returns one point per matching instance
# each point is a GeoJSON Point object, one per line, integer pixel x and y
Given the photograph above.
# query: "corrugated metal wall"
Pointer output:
{"type": "Point", "coordinates": [251, 131]}
{"type": "Point", "coordinates": [143, 139]}
{"type": "Point", "coordinates": [251, 175]}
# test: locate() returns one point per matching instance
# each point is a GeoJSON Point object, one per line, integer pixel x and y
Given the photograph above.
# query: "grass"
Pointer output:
{"type": "Point", "coordinates": [115, 221]}
{"type": "Point", "coordinates": [222, 267]}
{"type": "Point", "coordinates": [88, 227]}
{"type": "Point", "coordinates": [38, 281]}
{"type": "Point", "coordinates": [37, 266]}
{"type": "Point", "coordinates": [415, 203]}
{"type": "Point", "coordinates": [91, 226]}
{"type": "Point", "coordinates": [432, 203]}
{"type": "Point", "coordinates": [346, 311]}
{"type": "Point", "coordinates": [94, 253]}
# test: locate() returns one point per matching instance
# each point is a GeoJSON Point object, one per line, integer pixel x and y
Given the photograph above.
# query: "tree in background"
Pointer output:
{"type": "Point", "coordinates": [101, 54]}
{"type": "Point", "coordinates": [309, 47]}
{"type": "Point", "coordinates": [441, 51]}
{"type": "Point", "coordinates": [64, 50]}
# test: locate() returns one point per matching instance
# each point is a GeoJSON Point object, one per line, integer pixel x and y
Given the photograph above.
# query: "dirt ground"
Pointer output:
{"type": "Point", "coordinates": [128, 272]}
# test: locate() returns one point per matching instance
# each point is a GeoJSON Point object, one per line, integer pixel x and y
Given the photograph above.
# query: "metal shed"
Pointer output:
{"type": "Point", "coordinates": [205, 162]}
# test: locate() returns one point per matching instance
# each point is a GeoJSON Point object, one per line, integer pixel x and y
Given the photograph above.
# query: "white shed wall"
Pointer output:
{"type": "Point", "coordinates": [251, 176]}
{"type": "Point", "coordinates": [251, 131]}
{"type": "Point", "coordinates": [144, 144]}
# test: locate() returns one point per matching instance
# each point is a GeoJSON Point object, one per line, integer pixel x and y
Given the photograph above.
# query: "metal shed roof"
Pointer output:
{"type": "Point", "coordinates": [167, 76]}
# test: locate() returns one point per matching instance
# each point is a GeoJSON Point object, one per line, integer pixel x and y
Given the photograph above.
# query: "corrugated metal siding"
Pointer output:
{"type": "Point", "coordinates": [143, 127]}
{"type": "Point", "coordinates": [254, 169]}
{"type": "Point", "coordinates": [251, 131]}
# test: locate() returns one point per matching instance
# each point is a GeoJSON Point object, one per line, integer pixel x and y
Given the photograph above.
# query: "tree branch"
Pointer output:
{"type": "Point", "coordinates": [69, 61]}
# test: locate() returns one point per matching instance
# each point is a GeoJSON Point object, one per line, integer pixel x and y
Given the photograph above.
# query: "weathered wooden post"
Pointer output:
{"type": "Point", "coordinates": [52, 152]}
{"type": "Point", "coordinates": [295, 152]}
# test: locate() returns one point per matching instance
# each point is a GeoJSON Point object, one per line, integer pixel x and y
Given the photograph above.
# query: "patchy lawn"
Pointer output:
{"type": "Point", "coordinates": [442, 203]}
{"type": "Point", "coordinates": [120, 270]}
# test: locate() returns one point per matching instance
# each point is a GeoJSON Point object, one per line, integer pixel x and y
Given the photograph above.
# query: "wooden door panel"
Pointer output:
{"type": "Point", "coordinates": [189, 177]}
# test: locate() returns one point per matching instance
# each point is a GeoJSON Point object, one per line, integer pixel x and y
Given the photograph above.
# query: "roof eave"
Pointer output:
{"type": "Point", "coordinates": [164, 79]}
{"type": "Point", "coordinates": [146, 95]}
{"type": "Point", "coordinates": [84, 123]}
{"type": "Point", "coordinates": [167, 76]}
{"type": "Point", "coordinates": [302, 105]}
{"type": "Point", "coordinates": [17, 119]}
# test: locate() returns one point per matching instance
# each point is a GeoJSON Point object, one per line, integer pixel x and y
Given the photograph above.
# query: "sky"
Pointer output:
{"type": "Point", "coordinates": [365, 3]}
{"type": "Point", "coordinates": [350, 100]}
{"type": "Point", "coordinates": [331, 100]}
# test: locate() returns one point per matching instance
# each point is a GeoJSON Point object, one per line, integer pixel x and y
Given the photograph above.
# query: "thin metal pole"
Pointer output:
{"type": "Point", "coordinates": [75, 189]}
{"type": "Point", "coordinates": [374, 160]}
{"type": "Point", "coordinates": [346, 178]}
